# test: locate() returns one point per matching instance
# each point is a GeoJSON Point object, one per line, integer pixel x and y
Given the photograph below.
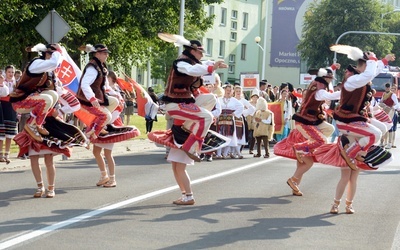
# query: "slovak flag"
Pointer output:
{"type": "Point", "coordinates": [68, 72]}
{"type": "Point", "coordinates": [145, 105]}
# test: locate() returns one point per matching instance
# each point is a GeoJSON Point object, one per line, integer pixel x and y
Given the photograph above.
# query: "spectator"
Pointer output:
{"type": "Point", "coordinates": [149, 120]}
{"type": "Point", "coordinates": [263, 126]}
{"type": "Point", "coordinates": [9, 115]}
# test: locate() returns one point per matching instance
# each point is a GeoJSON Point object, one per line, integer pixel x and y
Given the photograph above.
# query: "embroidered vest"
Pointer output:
{"type": "Point", "coordinates": [97, 86]}
{"type": "Point", "coordinates": [353, 105]}
{"type": "Point", "coordinates": [30, 83]}
{"type": "Point", "coordinates": [310, 112]}
{"type": "Point", "coordinates": [387, 99]}
{"type": "Point", "coordinates": [179, 85]}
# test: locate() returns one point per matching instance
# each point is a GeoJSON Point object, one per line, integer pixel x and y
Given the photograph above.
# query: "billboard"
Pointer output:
{"type": "Point", "coordinates": [287, 21]}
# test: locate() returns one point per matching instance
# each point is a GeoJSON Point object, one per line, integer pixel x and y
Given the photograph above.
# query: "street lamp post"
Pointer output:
{"type": "Point", "coordinates": [384, 14]}
{"type": "Point", "coordinates": [257, 39]}
{"type": "Point", "coordinates": [181, 23]}
{"type": "Point", "coordinates": [361, 32]}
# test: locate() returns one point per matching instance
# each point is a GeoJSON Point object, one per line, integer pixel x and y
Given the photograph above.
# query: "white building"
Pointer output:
{"type": "Point", "coordinates": [278, 24]}
{"type": "Point", "coordinates": [239, 22]}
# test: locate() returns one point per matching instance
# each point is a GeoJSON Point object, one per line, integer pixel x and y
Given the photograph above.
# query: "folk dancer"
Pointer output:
{"type": "Point", "coordinates": [232, 110]}
{"type": "Point", "coordinates": [390, 105]}
{"type": "Point", "coordinates": [35, 92]}
{"type": "Point", "coordinates": [92, 93]}
{"type": "Point", "coordinates": [116, 132]}
{"type": "Point", "coordinates": [184, 79]}
{"type": "Point", "coordinates": [311, 128]}
{"type": "Point", "coordinates": [61, 137]}
{"type": "Point", "coordinates": [359, 132]}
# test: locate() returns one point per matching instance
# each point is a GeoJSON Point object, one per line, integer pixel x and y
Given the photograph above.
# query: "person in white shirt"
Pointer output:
{"type": "Point", "coordinates": [183, 99]}
{"type": "Point", "coordinates": [390, 105]}
{"type": "Point", "coordinates": [232, 110]}
{"type": "Point", "coordinates": [359, 131]}
{"type": "Point", "coordinates": [35, 93]}
{"type": "Point", "coordinates": [241, 125]}
{"type": "Point", "coordinates": [92, 92]}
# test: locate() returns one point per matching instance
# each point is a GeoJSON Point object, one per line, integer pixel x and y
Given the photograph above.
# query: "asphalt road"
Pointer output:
{"type": "Point", "coordinates": [240, 204]}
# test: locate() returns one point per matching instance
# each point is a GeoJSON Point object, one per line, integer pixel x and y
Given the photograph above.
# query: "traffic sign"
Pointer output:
{"type": "Point", "coordinates": [53, 27]}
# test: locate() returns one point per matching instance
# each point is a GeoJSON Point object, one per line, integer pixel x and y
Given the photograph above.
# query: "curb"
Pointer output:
{"type": "Point", "coordinates": [78, 153]}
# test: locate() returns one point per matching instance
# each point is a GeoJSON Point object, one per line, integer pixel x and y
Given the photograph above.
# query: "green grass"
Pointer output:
{"type": "Point", "coordinates": [140, 123]}
{"type": "Point", "coordinates": [135, 120]}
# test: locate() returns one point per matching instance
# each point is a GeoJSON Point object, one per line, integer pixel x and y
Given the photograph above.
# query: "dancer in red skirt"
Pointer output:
{"type": "Point", "coordinates": [35, 93]}
{"type": "Point", "coordinates": [183, 81]}
{"type": "Point", "coordinates": [358, 131]}
{"type": "Point", "coordinates": [311, 129]}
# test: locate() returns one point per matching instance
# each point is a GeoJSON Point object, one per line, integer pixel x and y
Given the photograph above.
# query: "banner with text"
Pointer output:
{"type": "Point", "coordinates": [285, 35]}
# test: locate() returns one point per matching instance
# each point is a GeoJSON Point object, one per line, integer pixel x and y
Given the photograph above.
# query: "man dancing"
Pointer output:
{"type": "Point", "coordinates": [181, 104]}
{"type": "Point", "coordinates": [35, 92]}
{"type": "Point", "coordinates": [312, 130]}
{"type": "Point", "coordinates": [352, 113]}
{"type": "Point", "coordinates": [92, 92]}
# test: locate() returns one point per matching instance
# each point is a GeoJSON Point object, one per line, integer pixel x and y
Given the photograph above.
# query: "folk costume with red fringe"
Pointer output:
{"type": "Point", "coordinates": [91, 88]}
{"type": "Point", "coordinates": [355, 146]}
{"type": "Point", "coordinates": [35, 92]}
{"type": "Point", "coordinates": [183, 82]}
{"type": "Point", "coordinates": [62, 136]}
{"type": "Point", "coordinates": [311, 129]}
{"type": "Point", "coordinates": [115, 131]}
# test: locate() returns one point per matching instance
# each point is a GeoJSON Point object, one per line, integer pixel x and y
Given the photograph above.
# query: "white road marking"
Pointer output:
{"type": "Point", "coordinates": [396, 239]}
{"type": "Point", "coordinates": [36, 233]}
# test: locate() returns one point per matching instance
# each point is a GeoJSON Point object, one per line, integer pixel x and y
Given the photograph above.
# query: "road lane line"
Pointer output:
{"type": "Point", "coordinates": [36, 233]}
{"type": "Point", "coordinates": [396, 239]}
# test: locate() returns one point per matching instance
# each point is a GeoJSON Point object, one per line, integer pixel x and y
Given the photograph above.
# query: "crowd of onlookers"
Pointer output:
{"type": "Point", "coordinates": [244, 117]}
{"type": "Point", "coordinates": [237, 114]}
{"type": "Point", "coordinates": [11, 123]}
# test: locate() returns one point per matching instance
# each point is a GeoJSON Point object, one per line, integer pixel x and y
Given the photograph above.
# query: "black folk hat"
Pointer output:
{"type": "Point", "coordinates": [353, 69]}
{"type": "Point", "coordinates": [195, 44]}
{"type": "Point", "coordinates": [101, 48]}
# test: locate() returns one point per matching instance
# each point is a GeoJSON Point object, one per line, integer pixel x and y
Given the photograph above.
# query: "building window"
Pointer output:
{"type": "Point", "coordinates": [210, 10]}
{"type": "Point", "coordinates": [223, 16]}
{"type": "Point", "coordinates": [234, 14]}
{"type": "Point", "coordinates": [209, 47]}
{"type": "Point", "coordinates": [243, 52]}
{"type": "Point", "coordinates": [232, 58]}
{"type": "Point", "coordinates": [233, 25]}
{"type": "Point", "coordinates": [245, 20]}
{"type": "Point", "coordinates": [233, 36]}
{"type": "Point", "coordinates": [231, 69]}
{"type": "Point", "coordinates": [221, 48]}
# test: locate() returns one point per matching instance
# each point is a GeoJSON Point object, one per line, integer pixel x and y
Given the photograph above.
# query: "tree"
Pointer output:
{"type": "Point", "coordinates": [162, 63]}
{"type": "Point", "coordinates": [390, 23]}
{"type": "Point", "coordinates": [326, 20]}
{"type": "Point", "coordinates": [128, 27]}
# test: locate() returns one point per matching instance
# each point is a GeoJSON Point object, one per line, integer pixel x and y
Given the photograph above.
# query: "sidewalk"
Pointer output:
{"type": "Point", "coordinates": [124, 147]}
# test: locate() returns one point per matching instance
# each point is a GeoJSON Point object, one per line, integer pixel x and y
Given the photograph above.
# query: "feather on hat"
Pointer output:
{"type": "Point", "coordinates": [87, 48]}
{"type": "Point", "coordinates": [40, 47]}
{"type": "Point", "coordinates": [352, 52]}
{"type": "Point", "coordinates": [179, 41]}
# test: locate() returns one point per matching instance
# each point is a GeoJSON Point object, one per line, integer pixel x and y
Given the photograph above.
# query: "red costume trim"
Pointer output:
{"type": "Point", "coordinates": [360, 131]}
{"type": "Point", "coordinates": [38, 107]}
{"type": "Point", "coordinates": [24, 141]}
{"type": "Point", "coordinates": [309, 145]}
{"type": "Point", "coordinates": [285, 147]}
